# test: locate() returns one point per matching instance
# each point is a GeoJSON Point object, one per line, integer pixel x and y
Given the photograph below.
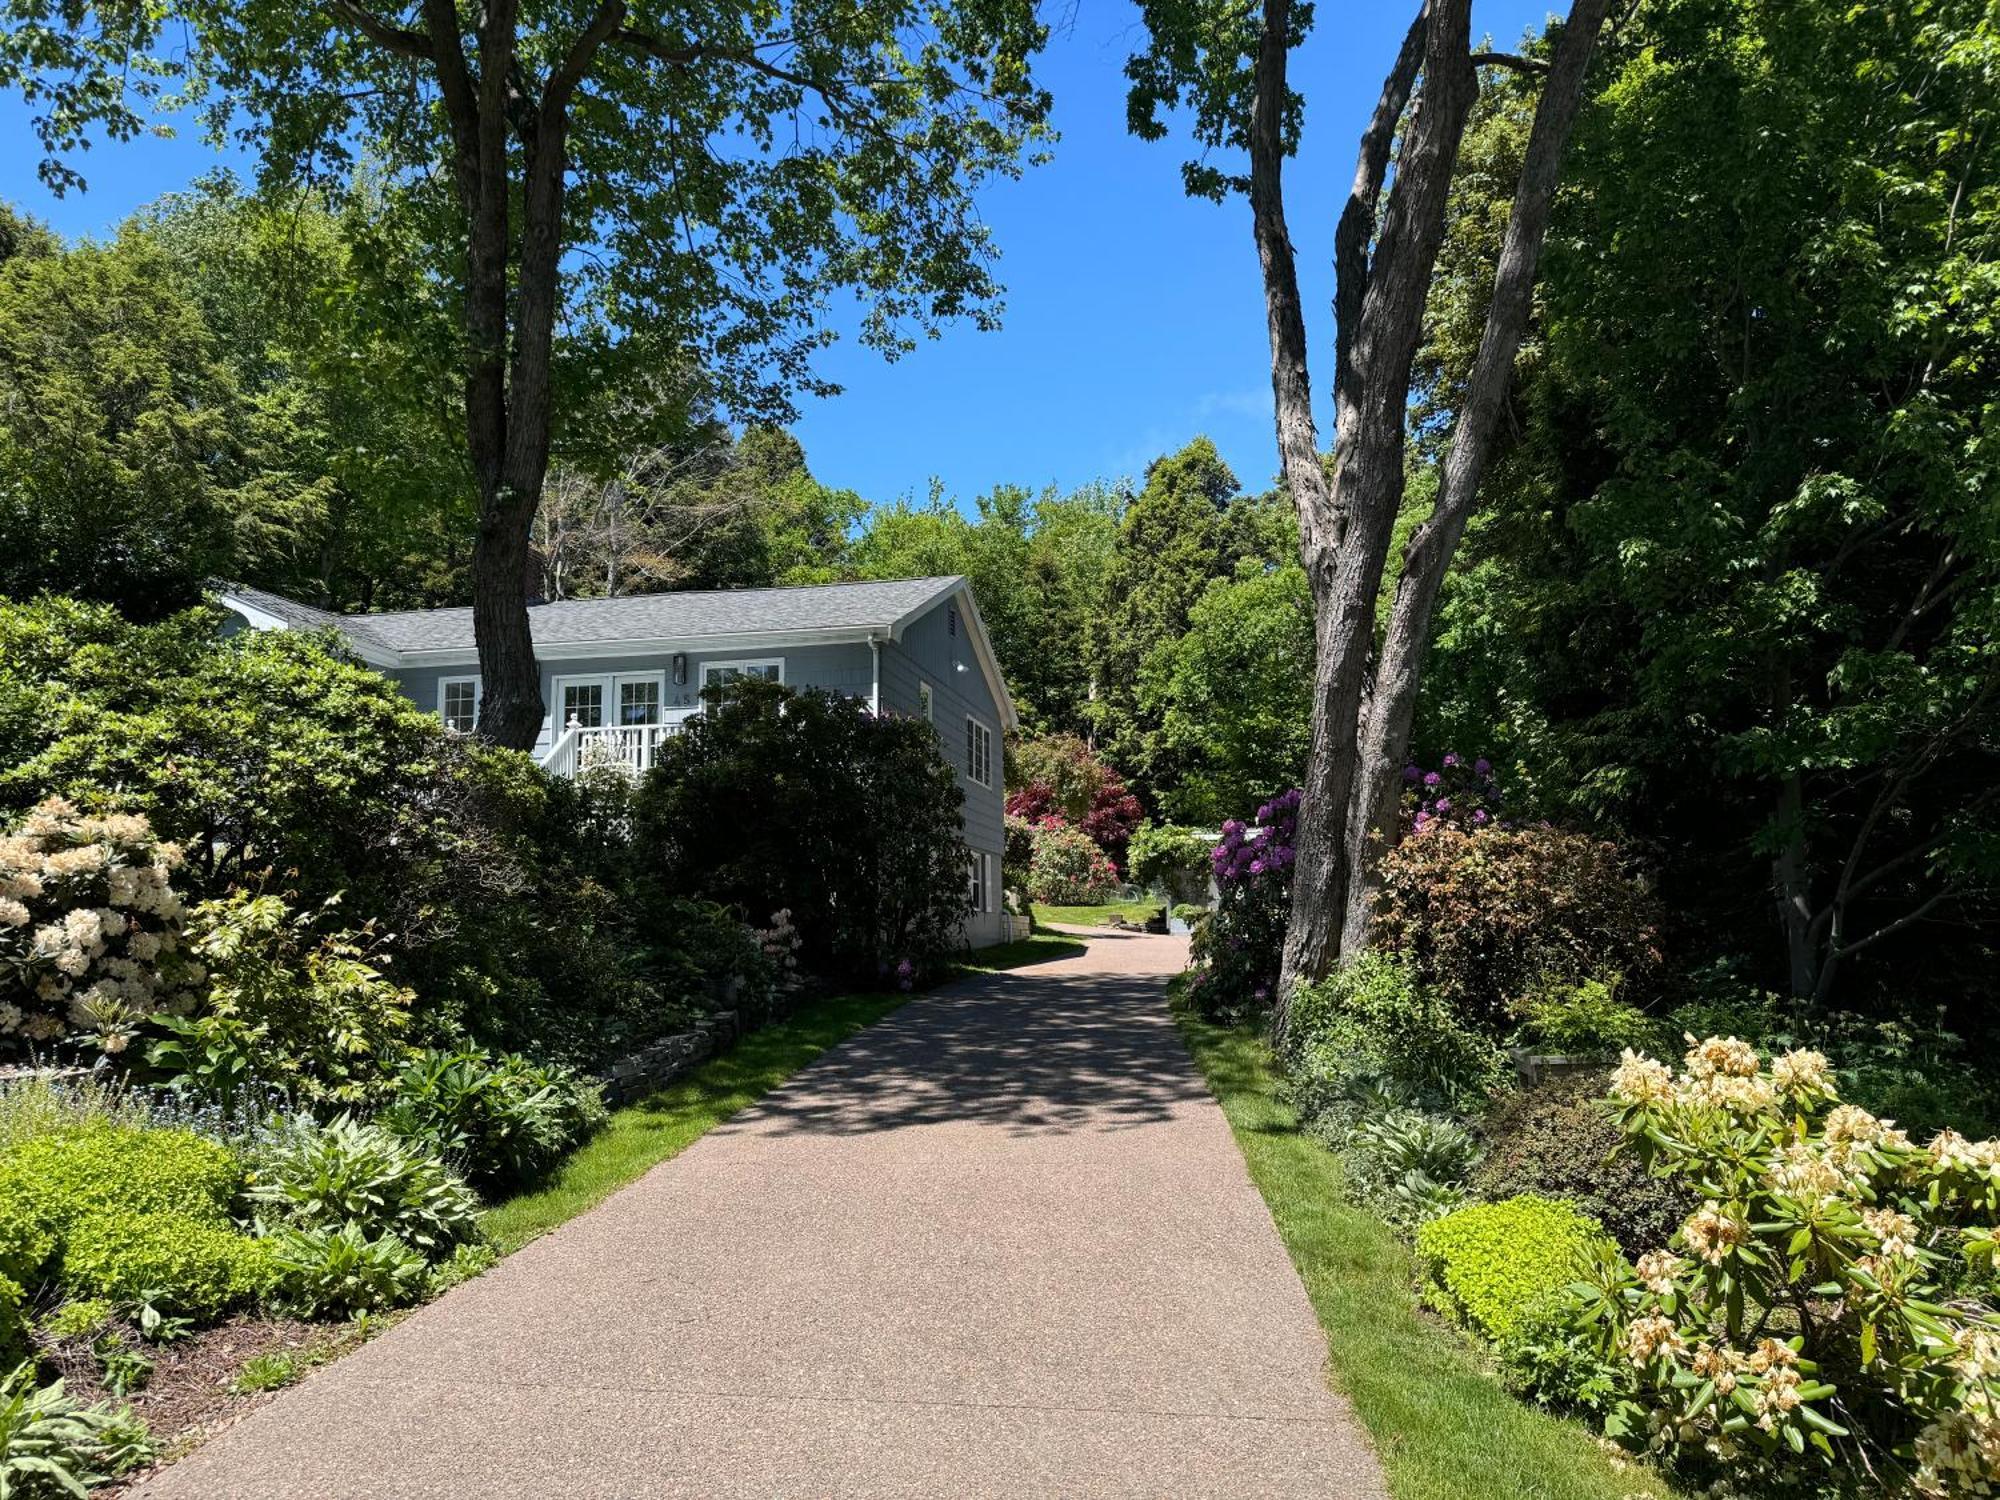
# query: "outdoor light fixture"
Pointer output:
{"type": "Point", "coordinates": [680, 669]}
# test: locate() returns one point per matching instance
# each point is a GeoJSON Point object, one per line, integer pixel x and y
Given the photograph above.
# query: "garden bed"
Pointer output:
{"type": "Point", "coordinates": [1442, 1424]}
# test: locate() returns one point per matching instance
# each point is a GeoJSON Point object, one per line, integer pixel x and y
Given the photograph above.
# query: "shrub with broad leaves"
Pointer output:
{"type": "Point", "coordinates": [90, 929]}
{"type": "Point", "coordinates": [1067, 868]}
{"type": "Point", "coordinates": [1236, 953]}
{"type": "Point", "coordinates": [1821, 1317]}
{"type": "Point", "coordinates": [1492, 916]}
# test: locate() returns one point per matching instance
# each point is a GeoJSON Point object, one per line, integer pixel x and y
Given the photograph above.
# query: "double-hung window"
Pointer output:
{"type": "Point", "coordinates": [924, 700]}
{"type": "Point", "coordinates": [725, 674]}
{"type": "Point", "coordinates": [979, 883]}
{"type": "Point", "coordinates": [978, 752]}
{"type": "Point", "coordinates": [458, 703]}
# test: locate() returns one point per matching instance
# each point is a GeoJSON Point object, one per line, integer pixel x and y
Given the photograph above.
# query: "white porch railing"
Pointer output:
{"type": "Point", "coordinates": [631, 747]}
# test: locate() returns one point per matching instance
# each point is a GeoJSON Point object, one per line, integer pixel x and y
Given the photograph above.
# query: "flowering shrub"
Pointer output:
{"type": "Point", "coordinates": [1816, 1311]}
{"type": "Point", "coordinates": [1062, 777]}
{"type": "Point", "coordinates": [1488, 917]}
{"type": "Point", "coordinates": [1067, 868]}
{"type": "Point", "coordinates": [90, 928]}
{"type": "Point", "coordinates": [779, 944]}
{"type": "Point", "coordinates": [1455, 795]}
{"type": "Point", "coordinates": [1236, 952]}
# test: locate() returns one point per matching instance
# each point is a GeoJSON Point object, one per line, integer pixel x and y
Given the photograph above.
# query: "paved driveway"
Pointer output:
{"type": "Point", "coordinates": [999, 1244]}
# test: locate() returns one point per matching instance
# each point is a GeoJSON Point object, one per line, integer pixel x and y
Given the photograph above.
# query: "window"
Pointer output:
{"type": "Point", "coordinates": [924, 700]}
{"type": "Point", "coordinates": [978, 753]}
{"type": "Point", "coordinates": [458, 703]}
{"type": "Point", "coordinates": [722, 673]}
{"type": "Point", "coordinates": [583, 703]}
{"type": "Point", "coordinates": [639, 700]}
{"type": "Point", "coordinates": [979, 884]}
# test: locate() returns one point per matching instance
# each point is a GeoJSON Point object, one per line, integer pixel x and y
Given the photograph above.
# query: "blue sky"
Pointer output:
{"type": "Point", "coordinates": [1134, 314]}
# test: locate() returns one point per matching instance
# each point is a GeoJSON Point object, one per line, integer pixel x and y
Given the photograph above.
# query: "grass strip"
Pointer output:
{"type": "Point", "coordinates": [1444, 1427]}
{"type": "Point", "coordinates": [1097, 916]}
{"type": "Point", "coordinates": [642, 1135]}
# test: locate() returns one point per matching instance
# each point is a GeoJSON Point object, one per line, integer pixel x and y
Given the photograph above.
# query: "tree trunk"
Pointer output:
{"type": "Point", "coordinates": [1344, 551]}
{"type": "Point", "coordinates": [1385, 734]}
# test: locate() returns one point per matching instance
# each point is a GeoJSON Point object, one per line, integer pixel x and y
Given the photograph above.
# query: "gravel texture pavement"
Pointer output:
{"type": "Point", "coordinates": [1000, 1243]}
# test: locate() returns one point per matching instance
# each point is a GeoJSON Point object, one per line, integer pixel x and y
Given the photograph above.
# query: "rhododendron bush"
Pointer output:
{"type": "Point", "coordinates": [1067, 868]}
{"type": "Point", "coordinates": [1825, 1314]}
{"type": "Point", "coordinates": [1490, 916]}
{"type": "Point", "coordinates": [1236, 952]}
{"type": "Point", "coordinates": [90, 929]}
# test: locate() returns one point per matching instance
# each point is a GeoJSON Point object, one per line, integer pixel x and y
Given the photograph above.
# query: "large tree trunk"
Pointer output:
{"type": "Point", "coordinates": [1291, 385]}
{"type": "Point", "coordinates": [1344, 551]}
{"type": "Point", "coordinates": [1385, 734]}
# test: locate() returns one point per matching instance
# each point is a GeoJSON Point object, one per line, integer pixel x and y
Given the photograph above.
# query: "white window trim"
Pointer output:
{"type": "Point", "coordinates": [927, 701]}
{"type": "Point", "coordinates": [742, 664]}
{"type": "Point", "coordinates": [987, 872]}
{"type": "Point", "coordinates": [478, 695]}
{"type": "Point", "coordinates": [977, 892]}
{"type": "Point", "coordinates": [579, 679]}
{"type": "Point", "coordinates": [614, 705]}
{"type": "Point", "coordinates": [988, 729]}
{"type": "Point", "coordinates": [609, 681]}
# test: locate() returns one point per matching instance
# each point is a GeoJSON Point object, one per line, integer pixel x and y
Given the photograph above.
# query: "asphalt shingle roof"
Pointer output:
{"type": "Point", "coordinates": [636, 617]}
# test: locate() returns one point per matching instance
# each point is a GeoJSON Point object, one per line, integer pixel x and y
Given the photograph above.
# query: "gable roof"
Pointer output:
{"type": "Point", "coordinates": [570, 628]}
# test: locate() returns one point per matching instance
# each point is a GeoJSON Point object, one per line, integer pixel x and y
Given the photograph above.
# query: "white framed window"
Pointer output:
{"type": "Point", "coordinates": [580, 700]}
{"type": "Point", "coordinates": [979, 883]}
{"type": "Point", "coordinates": [640, 699]}
{"type": "Point", "coordinates": [458, 703]}
{"type": "Point", "coordinates": [978, 752]}
{"type": "Point", "coordinates": [924, 701]}
{"type": "Point", "coordinates": [722, 673]}
{"type": "Point", "coordinates": [616, 698]}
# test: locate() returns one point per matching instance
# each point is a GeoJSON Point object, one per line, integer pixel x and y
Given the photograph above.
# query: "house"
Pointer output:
{"type": "Point", "coordinates": [620, 675]}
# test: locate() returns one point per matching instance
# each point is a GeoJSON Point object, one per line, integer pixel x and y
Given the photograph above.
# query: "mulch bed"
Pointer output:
{"type": "Point", "coordinates": [187, 1396]}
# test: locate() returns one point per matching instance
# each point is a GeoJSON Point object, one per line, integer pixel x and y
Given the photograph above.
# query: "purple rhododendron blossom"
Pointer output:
{"type": "Point", "coordinates": [1482, 766]}
{"type": "Point", "coordinates": [1451, 759]}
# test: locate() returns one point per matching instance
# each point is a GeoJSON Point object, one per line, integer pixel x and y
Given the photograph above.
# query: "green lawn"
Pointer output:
{"type": "Point", "coordinates": [1036, 949]}
{"type": "Point", "coordinates": [1096, 916]}
{"type": "Point", "coordinates": [642, 1135]}
{"type": "Point", "coordinates": [1444, 1427]}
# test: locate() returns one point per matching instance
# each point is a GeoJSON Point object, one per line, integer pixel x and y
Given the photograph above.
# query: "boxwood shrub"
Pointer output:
{"type": "Point", "coordinates": [1492, 1265]}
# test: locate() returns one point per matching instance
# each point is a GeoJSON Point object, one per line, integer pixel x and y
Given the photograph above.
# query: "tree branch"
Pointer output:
{"type": "Point", "coordinates": [397, 39]}
{"type": "Point", "coordinates": [1532, 66]}
{"type": "Point", "coordinates": [1356, 228]}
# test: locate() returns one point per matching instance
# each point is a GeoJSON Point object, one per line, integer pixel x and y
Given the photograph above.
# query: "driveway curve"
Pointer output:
{"type": "Point", "coordinates": [1001, 1243]}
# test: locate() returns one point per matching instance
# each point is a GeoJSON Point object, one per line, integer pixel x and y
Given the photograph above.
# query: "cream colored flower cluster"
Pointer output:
{"type": "Point", "coordinates": [90, 937]}
{"type": "Point", "coordinates": [1959, 1453]}
{"type": "Point", "coordinates": [1722, 1073]}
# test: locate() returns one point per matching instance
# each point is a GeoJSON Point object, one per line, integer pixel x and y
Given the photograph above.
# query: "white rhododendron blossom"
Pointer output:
{"type": "Point", "coordinates": [90, 936]}
{"type": "Point", "coordinates": [1830, 1300]}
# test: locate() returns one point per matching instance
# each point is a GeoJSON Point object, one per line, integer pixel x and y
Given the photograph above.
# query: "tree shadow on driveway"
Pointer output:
{"type": "Point", "coordinates": [1032, 1054]}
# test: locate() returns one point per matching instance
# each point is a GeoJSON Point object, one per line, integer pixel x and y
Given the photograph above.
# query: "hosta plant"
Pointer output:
{"type": "Point", "coordinates": [345, 1270]}
{"type": "Point", "coordinates": [347, 1172]}
{"type": "Point", "coordinates": [52, 1444]}
{"type": "Point", "coordinates": [1818, 1318]}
